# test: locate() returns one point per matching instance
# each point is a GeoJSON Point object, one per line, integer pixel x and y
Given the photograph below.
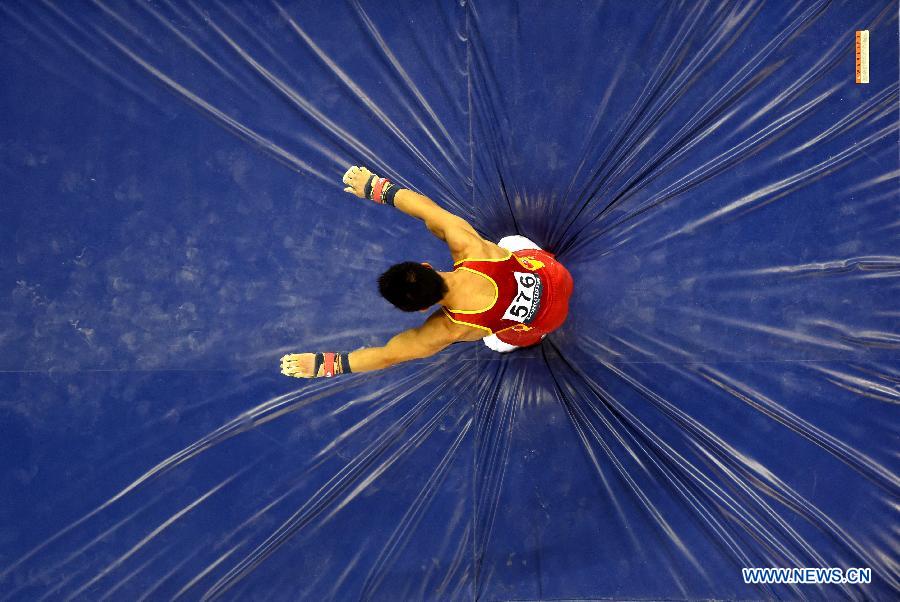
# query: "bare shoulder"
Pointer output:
{"type": "Point", "coordinates": [475, 247]}
{"type": "Point", "coordinates": [442, 327]}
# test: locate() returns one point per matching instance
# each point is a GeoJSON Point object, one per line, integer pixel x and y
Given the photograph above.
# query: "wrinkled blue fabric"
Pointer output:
{"type": "Point", "coordinates": [723, 395]}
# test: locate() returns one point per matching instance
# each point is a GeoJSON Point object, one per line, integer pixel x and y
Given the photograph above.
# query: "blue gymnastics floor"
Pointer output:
{"type": "Point", "coordinates": [724, 394]}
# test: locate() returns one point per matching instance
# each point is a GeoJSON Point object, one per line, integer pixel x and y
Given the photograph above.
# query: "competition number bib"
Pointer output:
{"type": "Point", "coordinates": [527, 301]}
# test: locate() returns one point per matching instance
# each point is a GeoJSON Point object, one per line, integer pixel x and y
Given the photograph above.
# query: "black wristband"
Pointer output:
{"type": "Point", "coordinates": [320, 359]}
{"type": "Point", "coordinates": [367, 189]}
{"type": "Point", "coordinates": [389, 193]}
{"type": "Point", "coordinates": [341, 364]}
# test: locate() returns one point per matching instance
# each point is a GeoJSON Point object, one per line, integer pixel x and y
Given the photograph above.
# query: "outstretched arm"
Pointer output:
{"type": "Point", "coordinates": [452, 229]}
{"type": "Point", "coordinates": [416, 343]}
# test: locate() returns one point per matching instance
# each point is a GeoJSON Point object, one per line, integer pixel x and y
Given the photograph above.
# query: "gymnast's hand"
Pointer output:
{"type": "Point", "coordinates": [312, 365]}
{"type": "Point", "coordinates": [355, 179]}
{"type": "Point", "coordinates": [299, 365]}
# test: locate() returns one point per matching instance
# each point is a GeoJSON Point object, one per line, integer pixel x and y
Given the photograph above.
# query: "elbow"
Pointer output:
{"type": "Point", "coordinates": [436, 230]}
{"type": "Point", "coordinates": [392, 359]}
{"type": "Point", "coordinates": [386, 359]}
{"type": "Point", "coordinates": [387, 363]}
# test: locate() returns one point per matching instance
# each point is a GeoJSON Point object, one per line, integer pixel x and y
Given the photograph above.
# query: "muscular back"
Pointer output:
{"type": "Point", "coordinates": [465, 243]}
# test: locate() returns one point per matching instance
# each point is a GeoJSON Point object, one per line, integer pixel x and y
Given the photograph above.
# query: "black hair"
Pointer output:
{"type": "Point", "coordinates": [411, 286]}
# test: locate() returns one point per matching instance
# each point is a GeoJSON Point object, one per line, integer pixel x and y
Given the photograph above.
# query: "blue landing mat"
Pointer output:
{"type": "Point", "coordinates": [723, 395]}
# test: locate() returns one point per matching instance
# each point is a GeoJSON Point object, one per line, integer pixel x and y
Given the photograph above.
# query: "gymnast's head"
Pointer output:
{"type": "Point", "coordinates": [412, 286]}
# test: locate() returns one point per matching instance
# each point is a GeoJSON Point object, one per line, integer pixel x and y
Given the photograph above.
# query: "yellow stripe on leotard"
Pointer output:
{"type": "Point", "coordinates": [455, 321]}
{"type": "Point", "coordinates": [518, 327]}
{"type": "Point", "coordinates": [474, 311]}
{"type": "Point", "coordinates": [496, 294]}
{"type": "Point", "coordinates": [509, 254]}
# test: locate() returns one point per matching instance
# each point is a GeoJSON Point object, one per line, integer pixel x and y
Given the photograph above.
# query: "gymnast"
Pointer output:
{"type": "Point", "coordinates": [510, 295]}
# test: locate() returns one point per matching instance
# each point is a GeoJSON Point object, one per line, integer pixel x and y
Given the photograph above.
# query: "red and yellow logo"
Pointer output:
{"type": "Point", "coordinates": [530, 264]}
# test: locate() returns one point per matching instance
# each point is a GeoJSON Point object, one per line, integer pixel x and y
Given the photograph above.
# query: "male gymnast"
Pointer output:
{"type": "Point", "coordinates": [509, 295]}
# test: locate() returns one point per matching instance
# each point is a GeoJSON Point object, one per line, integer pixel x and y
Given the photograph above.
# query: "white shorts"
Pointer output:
{"type": "Point", "coordinates": [511, 243]}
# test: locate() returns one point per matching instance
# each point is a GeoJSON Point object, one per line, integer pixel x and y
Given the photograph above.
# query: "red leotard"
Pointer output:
{"type": "Point", "coordinates": [524, 309]}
